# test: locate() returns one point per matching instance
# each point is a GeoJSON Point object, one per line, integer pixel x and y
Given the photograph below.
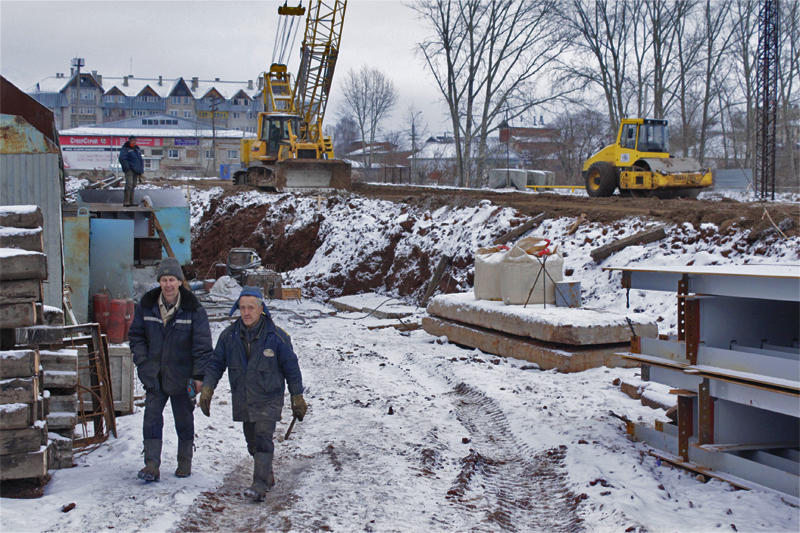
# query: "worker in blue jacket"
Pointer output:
{"type": "Point", "coordinates": [171, 343]}
{"type": "Point", "coordinates": [130, 157]}
{"type": "Point", "coordinates": [260, 361]}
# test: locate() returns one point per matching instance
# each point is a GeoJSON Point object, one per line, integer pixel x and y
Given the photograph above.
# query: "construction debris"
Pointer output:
{"type": "Point", "coordinates": [644, 237]}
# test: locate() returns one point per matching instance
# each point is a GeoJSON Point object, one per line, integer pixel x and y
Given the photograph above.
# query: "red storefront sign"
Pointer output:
{"type": "Point", "coordinates": [104, 141]}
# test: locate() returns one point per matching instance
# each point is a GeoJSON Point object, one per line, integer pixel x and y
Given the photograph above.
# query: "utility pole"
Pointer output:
{"type": "Point", "coordinates": [75, 118]}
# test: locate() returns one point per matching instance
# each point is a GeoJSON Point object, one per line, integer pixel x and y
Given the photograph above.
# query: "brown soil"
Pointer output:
{"type": "Point", "coordinates": [263, 228]}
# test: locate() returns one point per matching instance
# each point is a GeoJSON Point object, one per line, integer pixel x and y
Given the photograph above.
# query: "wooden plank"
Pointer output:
{"type": "Point", "coordinates": [19, 364]}
{"type": "Point", "coordinates": [19, 390]}
{"type": "Point", "coordinates": [644, 237]}
{"type": "Point", "coordinates": [20, 291]}
{"type": "Point", "coordinates": [19, 264]}
{"type": "Point", "coordinates": [519, 230]}
{"type": "Point", "coordinates": [24, 239]}
{"type": "Point", "coordinates": [24, 465]}
{"type": "Point", "coordinates": [437, 275]}
{"type": "Point", "coordinates": [18, 315]}
{"type": "Point", "coordinates": [21, 216]}
{"type": "Point", "coordinates": [25, 440]}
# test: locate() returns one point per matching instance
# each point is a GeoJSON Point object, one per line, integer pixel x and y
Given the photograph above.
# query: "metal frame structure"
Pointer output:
{"type": "Point", "coordinates": [735, 367]}
{"type": "Point", "coordinates": [767, 96]}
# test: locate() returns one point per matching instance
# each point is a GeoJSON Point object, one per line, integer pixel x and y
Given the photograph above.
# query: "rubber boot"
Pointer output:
{"type": "Point", "coordinates": [128, 198]}
{"type": "Point", "coordinates": [185, 452]}
{"type": "Point", "coordinates": [152, 460]}
{"type": "Point", "coordinates": [262, 475]}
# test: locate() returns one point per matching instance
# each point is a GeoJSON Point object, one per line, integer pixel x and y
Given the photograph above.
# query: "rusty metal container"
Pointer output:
{"type": "Point", "coordinates": [220, 269]}
{"type": "Point", "coordinates": [568, 294]}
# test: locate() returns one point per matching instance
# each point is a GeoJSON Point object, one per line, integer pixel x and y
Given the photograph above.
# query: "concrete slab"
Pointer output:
{"type": "Point", "coordinates": [376, 304]}
{"type": "Point", "coordinates": [578, 326]}
{"type": "Point", "coordinates": [547, 355]}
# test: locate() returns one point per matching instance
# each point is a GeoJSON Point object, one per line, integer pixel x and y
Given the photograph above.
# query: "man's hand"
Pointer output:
{"type": "Point", "coordinates": [197, 386]}
{"type": "Point", "coordinates": [206, 393]}
{"type": "Point", "coordinates": [299, 406]}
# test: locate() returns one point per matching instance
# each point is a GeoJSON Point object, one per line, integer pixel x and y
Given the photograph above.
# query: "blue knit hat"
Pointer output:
{"type": "Point", "coordinates": [247, 290]}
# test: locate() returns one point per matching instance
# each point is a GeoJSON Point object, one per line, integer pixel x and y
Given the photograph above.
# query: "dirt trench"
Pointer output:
{"type": "Point", "coordinates": [226, 225]}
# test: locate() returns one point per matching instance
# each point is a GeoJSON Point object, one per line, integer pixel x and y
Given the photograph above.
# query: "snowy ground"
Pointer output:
{"type": "Point", "coordinates": [406, 432]}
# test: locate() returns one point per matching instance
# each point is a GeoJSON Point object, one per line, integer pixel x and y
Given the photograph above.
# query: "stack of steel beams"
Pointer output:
{"type": "Point", "coordinates": [735, 368]}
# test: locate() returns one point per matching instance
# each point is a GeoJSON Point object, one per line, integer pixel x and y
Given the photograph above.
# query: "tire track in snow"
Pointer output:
{"type": "Point", "coordinates": [501, 479]}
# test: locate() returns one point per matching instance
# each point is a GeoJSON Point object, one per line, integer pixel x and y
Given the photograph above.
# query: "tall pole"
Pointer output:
{"type": "Point", "coordinates": [767, 98]}
{"type": "Point", "coordinates": [75, 117]}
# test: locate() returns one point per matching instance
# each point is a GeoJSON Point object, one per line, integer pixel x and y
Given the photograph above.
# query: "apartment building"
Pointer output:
{"type": "Point", "coordinates": [88, 98]}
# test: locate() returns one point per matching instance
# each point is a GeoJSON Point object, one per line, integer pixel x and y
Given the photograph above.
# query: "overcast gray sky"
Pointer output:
{"type": "Point", "coordinates": [211, 39]}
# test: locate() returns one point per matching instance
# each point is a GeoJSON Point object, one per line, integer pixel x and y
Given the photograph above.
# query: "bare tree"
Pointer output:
{"type": "Point", "coordinates": [345, 133]}
{"type": "Point", "coordinates": [788, 75]}
{"type": "Point", "coordinates": [743, 51]}
{"type": "Point", "coordinates": [600, 33]}
{"type": "Point", "coordinates": [416, 130]}
{"type": "Point", "coordinates": [582, 133]}
{"type": "Point", "coordinates": [369, 98]}
{"type": "Point", "coordinates": [717, 36]}
{"type": "Point", "coordinates": [486, 57]}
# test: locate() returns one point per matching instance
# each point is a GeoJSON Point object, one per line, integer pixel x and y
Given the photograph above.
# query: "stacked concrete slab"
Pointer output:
{"type": "Point", "coordinates": [23, 428]}
{"type": "Point", "coordinates": [30, 394]}
{"type": "Point", "coordinates": [566, 339]}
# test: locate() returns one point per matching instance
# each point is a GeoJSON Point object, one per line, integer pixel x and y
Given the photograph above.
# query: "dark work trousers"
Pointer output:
{"type": "Point", "coordinates": [182, 408]}
{"type": "Point", "coordinates": [259, 436]}
{"type": "Point", "coordinates": [131, 179]}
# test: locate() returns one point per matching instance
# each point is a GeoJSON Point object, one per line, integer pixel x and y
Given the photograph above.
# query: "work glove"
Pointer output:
{"type": "Point", "coordinates": [299, 407]}
{"type": "Point", "coordinates": [206, 393]}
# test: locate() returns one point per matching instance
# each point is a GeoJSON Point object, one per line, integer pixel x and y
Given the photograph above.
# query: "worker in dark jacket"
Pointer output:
{"type": "Point", "coordinates": [260, 362]}
{"type": "Point", "coordinates": [171, 343]}
{"type": "Point", "coordinates": [130, 157]}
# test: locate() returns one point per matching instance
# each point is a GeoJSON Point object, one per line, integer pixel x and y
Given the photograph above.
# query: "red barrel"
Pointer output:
{"type": "Point", "coordinates": [220, 269]}
{"type": "Point", "coordinates": [130, 308]}
{"type": "Point", "coordinates": [116, 321]}
{"type": "Point", "coordinates": [100, 306]}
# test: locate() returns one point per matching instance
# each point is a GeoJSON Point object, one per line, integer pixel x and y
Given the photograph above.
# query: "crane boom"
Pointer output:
{"type": "Point", "coordinates": [291, 151]}
{"type": "Point", "coordinates": [319, 53]}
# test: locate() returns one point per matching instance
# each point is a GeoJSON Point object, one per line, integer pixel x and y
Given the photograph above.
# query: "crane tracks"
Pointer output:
{"type": "Point", "coordinates": [503, 480]}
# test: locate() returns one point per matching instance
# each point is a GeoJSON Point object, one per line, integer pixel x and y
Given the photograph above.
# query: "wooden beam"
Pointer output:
{"type": "Point", "coordinates": [519, 230]}
{"type": "Point", "coordinates": [644, 237]}
{"type": "Point", "coordinates": [437, 275]}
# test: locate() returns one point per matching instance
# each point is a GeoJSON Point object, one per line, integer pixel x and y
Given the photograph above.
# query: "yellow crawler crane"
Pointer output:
{"type": "Point", "coordinates": [291, 152]}
{"type": "Point", "coordinates": [640, 165]}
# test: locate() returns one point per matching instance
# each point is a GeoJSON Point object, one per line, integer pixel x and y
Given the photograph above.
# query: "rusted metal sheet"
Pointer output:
{"type": "Point", "coordinates": [17, 136]}
{"type": "Point", "coordinates": [17, 102]}
{"type": "Point", "coordinates": [76, 262]}
{"type": "Point", "coordinates": [685, 424]}
{"type": "Point", "coordinates": [35, 179]}
{"type": "Point", "coordinates": [705, 414]}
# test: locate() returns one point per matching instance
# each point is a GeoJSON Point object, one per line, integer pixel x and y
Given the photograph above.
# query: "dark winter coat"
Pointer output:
{"type": "Point", "coordinates": [168, 356]}
{"type": "Point", "coordinates": [257, 386]}
{"type": "Point", "coordinates": [130, 157]}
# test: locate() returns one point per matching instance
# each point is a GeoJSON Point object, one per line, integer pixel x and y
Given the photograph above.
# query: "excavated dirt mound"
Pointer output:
{"type": "Point", "coordinates": [288, 230]}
